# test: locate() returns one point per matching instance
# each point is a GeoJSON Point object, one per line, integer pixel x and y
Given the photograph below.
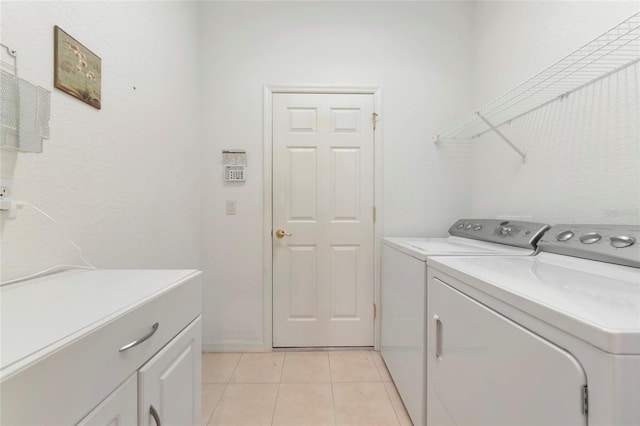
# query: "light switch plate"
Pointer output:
{"type": "Point", "coordinates": [231, 207]}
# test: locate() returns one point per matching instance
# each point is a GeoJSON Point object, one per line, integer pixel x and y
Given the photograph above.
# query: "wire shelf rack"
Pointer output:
{"type": "Point", "coordinates": [612, 51]}
{"type": "Point", "coordinates": [25, 108]}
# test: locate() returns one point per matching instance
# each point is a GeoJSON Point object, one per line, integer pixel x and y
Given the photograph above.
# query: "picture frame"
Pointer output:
{"type": "Point", "coordinates": [77, 70]}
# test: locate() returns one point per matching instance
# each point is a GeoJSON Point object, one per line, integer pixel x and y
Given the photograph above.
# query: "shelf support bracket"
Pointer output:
{"type": "Point", "coordinates": [499, 133]}
{"type": "Point", "coordinates": [12, 55]}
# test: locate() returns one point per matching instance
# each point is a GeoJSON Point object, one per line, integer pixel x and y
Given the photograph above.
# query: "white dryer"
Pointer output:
{"type": "Point", "coordinates": [403, 297]}
{"type": "Point", "coordinates": [552, 339]}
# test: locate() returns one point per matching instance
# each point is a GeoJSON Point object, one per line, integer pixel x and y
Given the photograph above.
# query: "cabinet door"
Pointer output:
{"type": "Point", "coordinates": [120, 408]}
{"type": "Point", "coordinates": [169, 384]}
{"type": "Point", "coordinates": [491, 371]}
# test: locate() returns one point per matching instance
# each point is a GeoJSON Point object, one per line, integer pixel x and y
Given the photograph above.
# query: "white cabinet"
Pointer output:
{"type": "Point", "coordinates": [170, 382]}
{"type": "Point", "coordinates": [119, 409]}
{"type": "Point", "coordinates": [63, 347]}
{"type": "Point", "coordinates": [165, 391]}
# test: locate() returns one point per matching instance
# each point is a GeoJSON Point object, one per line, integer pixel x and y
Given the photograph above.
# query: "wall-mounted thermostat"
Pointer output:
{"type": "Point", "coordinates": [234, 173]}
{"type": "Point", "coordinates": [235, 165]}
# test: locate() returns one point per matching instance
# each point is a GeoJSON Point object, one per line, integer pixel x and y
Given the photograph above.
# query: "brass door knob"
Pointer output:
{"type": "Point", "coordinates": [281, 234]}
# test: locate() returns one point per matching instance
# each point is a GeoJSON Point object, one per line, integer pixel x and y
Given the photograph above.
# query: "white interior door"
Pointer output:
{"type": "Point", "coordinates": [323, 186]}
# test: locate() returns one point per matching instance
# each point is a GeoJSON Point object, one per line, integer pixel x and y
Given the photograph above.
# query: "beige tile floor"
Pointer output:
{"type": "Point", "coordinates": [340, 388]}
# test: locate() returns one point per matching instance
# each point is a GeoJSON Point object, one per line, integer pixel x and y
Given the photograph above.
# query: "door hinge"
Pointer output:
{"type": "Point", "coordinates": [374, 213]}
{"type": "Point", "coordinates": [374, 120]}
{"type": "Point", "coordinates": [585, 400]}
{"type": "Point", "coordinates": [375, 311]}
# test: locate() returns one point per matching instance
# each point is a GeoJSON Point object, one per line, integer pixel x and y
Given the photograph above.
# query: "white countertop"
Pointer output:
{"type": "Point", "coordinates": [41, 315]}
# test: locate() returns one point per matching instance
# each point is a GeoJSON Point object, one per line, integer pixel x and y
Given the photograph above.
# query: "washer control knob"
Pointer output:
{"type": "Point", "coordinates": [565, 236]}
{"type": "Point", "coordinates": [468, 226]}
{"type": "Point", "coordinates": [622, 241]}
{"type": "Point", "coordinates": [477, 227]}
{"type": "Point", "coordinates": [505, 230]}
{"type": "Point", "coordinates": [460, 225]}
{"type": "Point", "coordinates": [590, 238]}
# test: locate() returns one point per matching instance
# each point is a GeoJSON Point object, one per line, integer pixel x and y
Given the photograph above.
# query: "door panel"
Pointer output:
{"type": "Point", "coordinates": [303, 190]}
{"type": "Point", "coordinates": [345, 171]}
{"type": "Point", "coordinates": [170, 382]}
{"type": "Point", "coordinates": [491, 371]}
{"type": "Point", "coordinates": [302, 296]}
{"type": "Point", "coordinates": [344, 282]}
{"type": "Point", "coordinates": [323, 196]}
{"type": "Point", "coordinates": [120, 408]}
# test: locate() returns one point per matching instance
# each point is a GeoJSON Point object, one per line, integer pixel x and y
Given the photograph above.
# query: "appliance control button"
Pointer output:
{"type": "Point", "coordinates": [460, 225]}
{"type": "Point", "coordinates": [467, 226]}
{"type": "Point", "coordinates": [590, 238]}
{"type": "Point", "coordinates": [477, 227]}
{"type": "Point", "coordinates": [505, 230]}
{"type": "Point", "coordinates": [565, 236]}
{"type": "Point", "coordinates": [622, 241]}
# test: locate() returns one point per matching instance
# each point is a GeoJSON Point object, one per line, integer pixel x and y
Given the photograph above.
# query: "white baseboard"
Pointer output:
{"type": "Point", "coordinates": [234, 346]}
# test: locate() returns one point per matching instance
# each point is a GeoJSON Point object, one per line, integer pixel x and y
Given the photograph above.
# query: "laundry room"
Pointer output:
{"type": "Point", "coordinates": [194, 143]}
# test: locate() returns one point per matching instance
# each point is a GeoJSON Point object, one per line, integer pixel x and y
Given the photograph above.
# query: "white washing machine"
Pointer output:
{"type": "Point", "coordinates": [403, 297]}
{"type": "Point", "coordinates": [552, 339]}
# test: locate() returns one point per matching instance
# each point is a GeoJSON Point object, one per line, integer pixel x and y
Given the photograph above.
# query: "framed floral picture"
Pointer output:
{"type": "Point", "coordinates": [77, 70]}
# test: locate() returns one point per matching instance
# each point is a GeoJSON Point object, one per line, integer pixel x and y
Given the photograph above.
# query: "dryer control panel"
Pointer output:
{"type": "Point", "coordinates": [513, 233]}
{"type": "Point", "coordinates": [619, 244]}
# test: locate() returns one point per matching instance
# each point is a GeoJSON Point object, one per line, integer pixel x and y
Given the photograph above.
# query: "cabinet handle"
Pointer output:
{"type": "Point", "coordinates": [154, 414]}
{"type": "Point", "coordinates": [438, 336]}
{"type": "Point", "coordinates": [154, 328]}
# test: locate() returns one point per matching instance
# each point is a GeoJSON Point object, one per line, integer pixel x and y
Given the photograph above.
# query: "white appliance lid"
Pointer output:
{"type": "Point", "coordinates": [595, 301]}
{"type": "Point", "coordinates": [423, 248]}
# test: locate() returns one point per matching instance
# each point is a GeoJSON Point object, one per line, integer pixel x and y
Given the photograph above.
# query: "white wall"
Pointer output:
{"type": "Point", "coordinates": [124, 181]}
{"type": "Point", "coordinates": [418, 53]}
{"type": "Point", "coordinates": [583, 153]}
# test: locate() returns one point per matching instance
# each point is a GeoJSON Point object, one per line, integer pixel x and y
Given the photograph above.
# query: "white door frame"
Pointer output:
{"type": "Point", "coordinates": [269, 90]}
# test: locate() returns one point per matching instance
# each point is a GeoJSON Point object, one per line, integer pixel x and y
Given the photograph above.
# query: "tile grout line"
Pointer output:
{"type": "Point", "coordinates": [217, 403]}
{"type": "Point", "coordinates": [391, 402]}
{"type": "Point", "coordinates": [275, 403]}
{"type": "Point", "coordinates": [376, 365]}
{"type": "Point", "coordinates": [235, 367]}
{"type": "Point", "coordinates": [332, 382]}
{"type": "Point", "coordinates": [333, 397]}
{"type": "Point", "coordinates": [330, 369]}
{"type": "Point", "coordinates": [226, 385]}
{"type": "Point", "coordinates": [385, 386]}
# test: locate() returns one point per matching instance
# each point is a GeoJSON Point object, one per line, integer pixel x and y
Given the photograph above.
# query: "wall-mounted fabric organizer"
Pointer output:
{"type": "Point", "coordinates": [24, 108]}
{"type": "Point", "coordinates": [609, 53]}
